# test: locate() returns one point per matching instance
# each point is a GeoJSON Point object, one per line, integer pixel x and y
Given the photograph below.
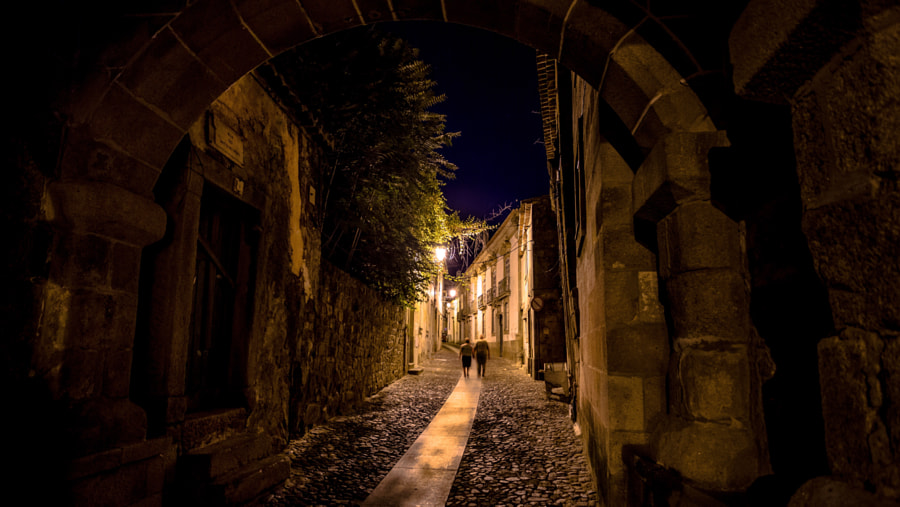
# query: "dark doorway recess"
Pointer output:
{"type": "Point", "coordinates": [222, 303]}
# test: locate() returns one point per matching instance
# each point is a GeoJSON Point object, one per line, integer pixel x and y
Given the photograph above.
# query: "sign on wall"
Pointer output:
{"type": "Point", "coordinates": [224, 138]}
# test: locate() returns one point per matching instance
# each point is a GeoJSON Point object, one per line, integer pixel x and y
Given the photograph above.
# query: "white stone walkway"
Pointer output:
{"type": "Point", "coordinates": [425, 474]}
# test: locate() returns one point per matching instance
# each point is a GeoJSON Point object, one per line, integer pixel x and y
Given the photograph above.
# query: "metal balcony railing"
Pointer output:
{"type": "Point", "coordinates": [503, 288]}
{"type": "Point", "coordinates": [481, 303]}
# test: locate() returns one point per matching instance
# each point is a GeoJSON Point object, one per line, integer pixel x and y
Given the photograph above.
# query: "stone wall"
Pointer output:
{"type": "Point", "coordinates": [623, 342]}
{"type": "Point", "coordinates": [106, 343]}
{"type": "Point", "coordinates": [351, 347]}
{"type": "Point", "coordinates": [276, 171]}
{"type": "Point", "coordinates": [321, 340]}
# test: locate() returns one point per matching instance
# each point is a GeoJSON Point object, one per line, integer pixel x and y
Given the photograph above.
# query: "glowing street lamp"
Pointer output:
{"type": "Point", "coordinates": [440, 253]}
{"type": "Point", "coordinates": [452, 293]}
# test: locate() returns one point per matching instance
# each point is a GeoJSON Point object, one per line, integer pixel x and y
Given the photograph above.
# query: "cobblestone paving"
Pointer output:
{"type": "Point", "coordinates": [342, 461]}
{"type": "Point", "coordinates": [522, 450]}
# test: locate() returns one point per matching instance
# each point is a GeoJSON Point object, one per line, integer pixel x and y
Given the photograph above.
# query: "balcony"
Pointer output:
{"type": "Point", "coordinates": [503, 288]}
{"type": "Point", "coordinates": [481, 302]}
{"type": "Point", "coordinates": [489, 295]}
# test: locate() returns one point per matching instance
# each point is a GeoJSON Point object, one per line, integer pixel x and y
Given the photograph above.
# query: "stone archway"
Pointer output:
{"type": "Point", "coordinates": [135, 91]}
{"type": "Point", "coordinates": [134, 102]}
{"type": "Point", "coordinates": [142, 78]}
{"type": "Point", "coordinates": [127, 118]}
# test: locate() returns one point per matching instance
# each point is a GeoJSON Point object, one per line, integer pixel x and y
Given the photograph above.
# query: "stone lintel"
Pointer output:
{"type": "Point", "coordinates": [675, 172]}
{"type": "Point", "coordinates": [107, 210]}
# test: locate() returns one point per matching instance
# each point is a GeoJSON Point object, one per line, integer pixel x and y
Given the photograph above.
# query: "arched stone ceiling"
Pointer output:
{"type": "Point", "coordinates": [145, 76]}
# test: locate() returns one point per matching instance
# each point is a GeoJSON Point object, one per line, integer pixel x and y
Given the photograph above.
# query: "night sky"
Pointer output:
{"type": "Point", "coordinates": [492, 99]}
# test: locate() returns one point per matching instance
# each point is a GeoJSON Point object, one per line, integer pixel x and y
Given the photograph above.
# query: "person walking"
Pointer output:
{"type": "Point", "coordinates": [465, 352]}
{"type": "Point", "coordinates": [482, 354]}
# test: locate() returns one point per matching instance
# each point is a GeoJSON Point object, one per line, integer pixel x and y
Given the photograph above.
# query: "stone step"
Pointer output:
{"type": "Point", "coordinates": [249, 482]}
{"type": "Point", "coordinates": [213, 461]}
{"type": "Point", "coordinates": [205, 428]}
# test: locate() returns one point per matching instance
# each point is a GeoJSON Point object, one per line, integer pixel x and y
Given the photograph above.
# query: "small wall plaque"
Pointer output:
{"type": "Point", "coordinates": [225, 139]}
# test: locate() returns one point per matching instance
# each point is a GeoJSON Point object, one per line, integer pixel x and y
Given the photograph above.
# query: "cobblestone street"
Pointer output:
{"type": "Point", "coordinates": [522, 449]}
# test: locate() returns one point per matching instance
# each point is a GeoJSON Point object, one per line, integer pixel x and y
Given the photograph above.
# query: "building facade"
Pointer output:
{"type": "Point", "coordinates": [427, 322]}
{"type": "Point", "coordinates": [510, 292]}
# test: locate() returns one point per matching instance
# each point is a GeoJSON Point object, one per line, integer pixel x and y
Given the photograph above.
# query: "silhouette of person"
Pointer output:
{"type": "Point", "coordinates": [465, 352]}
{"type": "Point", "coordinates": [482, 354]}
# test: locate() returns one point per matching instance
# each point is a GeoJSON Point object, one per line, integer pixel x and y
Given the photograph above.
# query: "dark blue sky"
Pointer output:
{"type": "Point", "coordinates": [492, 99]}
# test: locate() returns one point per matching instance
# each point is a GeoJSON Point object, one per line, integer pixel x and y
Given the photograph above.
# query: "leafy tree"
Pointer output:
{"type": "Point", "coordinates": [384, 207]}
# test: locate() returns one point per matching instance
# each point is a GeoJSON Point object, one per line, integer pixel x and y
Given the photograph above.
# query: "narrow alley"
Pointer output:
{"type": "Point", "coordinates": [228, 247]}
{"type": "Point", "coordinates": [522, 449]}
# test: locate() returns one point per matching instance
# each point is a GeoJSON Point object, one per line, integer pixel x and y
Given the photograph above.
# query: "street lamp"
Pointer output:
{"type": "Point", "coordinates": [439, 253]}
{"type": "Point", "coordinates": [452, 293]}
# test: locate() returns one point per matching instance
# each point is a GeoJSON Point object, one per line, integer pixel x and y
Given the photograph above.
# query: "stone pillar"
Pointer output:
{"type": "Point", "coordinates": [85, 345]}
{"type": "Point", "coordinates": [714, 435]}
{"type": "Point", "coordinates": [625, 341]}
{"type": "Point", "coordinates": [847, 123]}
{"type": "Point", "coordinates": [845, 102]}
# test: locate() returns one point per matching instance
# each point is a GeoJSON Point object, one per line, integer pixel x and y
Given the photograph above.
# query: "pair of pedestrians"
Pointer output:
{"type": "Point", "coordinates": [481, 351]}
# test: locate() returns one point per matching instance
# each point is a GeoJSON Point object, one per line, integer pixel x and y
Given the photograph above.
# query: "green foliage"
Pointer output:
{"type": "Point", "coordinates": [385, 211]}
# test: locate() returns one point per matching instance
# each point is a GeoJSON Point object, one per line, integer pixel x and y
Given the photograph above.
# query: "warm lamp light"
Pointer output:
{"type": "Point", "coordinates": [452, 293]}
{"type": "Point", "coordinates": [440, 253]}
